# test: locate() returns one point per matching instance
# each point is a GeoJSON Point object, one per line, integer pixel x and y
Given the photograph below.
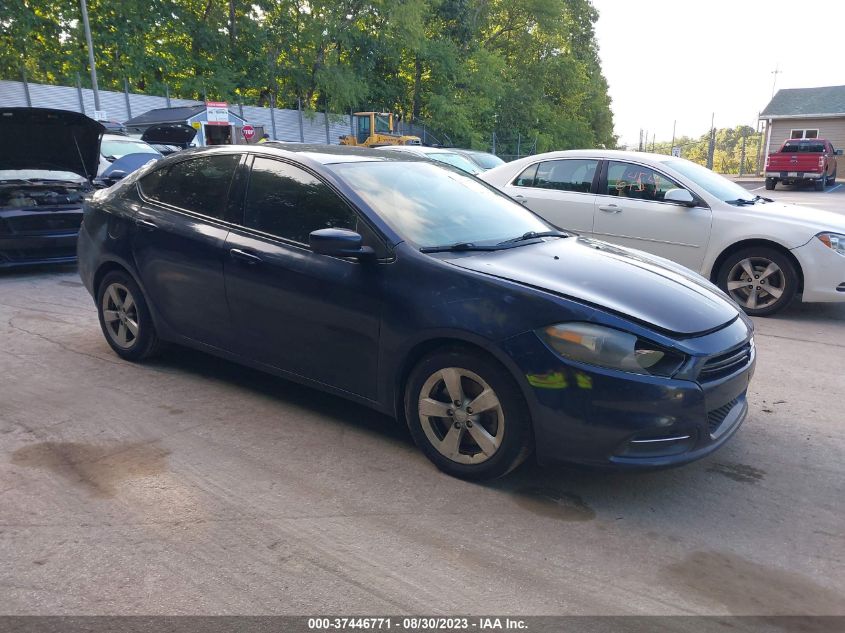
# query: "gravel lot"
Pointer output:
{"type": "Point", "coordinates": [192, 485]}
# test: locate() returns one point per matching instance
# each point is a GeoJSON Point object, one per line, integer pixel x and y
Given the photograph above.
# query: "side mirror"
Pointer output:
{"type": "Point", "coordinates": [838, 152]}
{"type": "Point", "coordinates": [114, 176]}
{"type": "Point", "coordinates": [339, 243]}
{"type": "Point", "coordinates": [679, 196]}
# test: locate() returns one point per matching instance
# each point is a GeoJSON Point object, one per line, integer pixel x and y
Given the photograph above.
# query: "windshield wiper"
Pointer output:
{"type": "Point", "coordinates": [455, 248]}
{"type": "Point", "coordinates": [530, 235]}
{"type": "Point", "coordinates": [763, 199]}
{"type": "Point", "coordinates": [742, 201]}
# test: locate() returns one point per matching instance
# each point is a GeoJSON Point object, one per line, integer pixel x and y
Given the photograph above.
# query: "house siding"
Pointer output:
{"type": "Point", "coordinates": [832, 129]}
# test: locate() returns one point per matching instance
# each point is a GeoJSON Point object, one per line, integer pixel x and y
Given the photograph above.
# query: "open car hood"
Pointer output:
{"type": "Point", "coordinates": [179, 134]}
{"type": "Point", "coordinates": [56, 140]}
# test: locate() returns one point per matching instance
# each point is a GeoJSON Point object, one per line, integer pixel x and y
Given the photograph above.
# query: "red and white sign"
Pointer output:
{"type": "Point", "coordinates": [248, 131]}
{"type": "Point", "coordinates": [217, 112]}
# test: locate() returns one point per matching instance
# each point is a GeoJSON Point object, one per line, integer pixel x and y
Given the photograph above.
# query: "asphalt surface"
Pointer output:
{"type": "Point", "coordinates": [190, 485]}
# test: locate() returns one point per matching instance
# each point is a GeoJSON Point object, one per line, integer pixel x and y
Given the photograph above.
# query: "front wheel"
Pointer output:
{"type": "Point", "coordinates": [125, 318]}
{"type": "Point", "coordinates": [761, 280]}
{"type": "Point", "coordinates": [467, 415]}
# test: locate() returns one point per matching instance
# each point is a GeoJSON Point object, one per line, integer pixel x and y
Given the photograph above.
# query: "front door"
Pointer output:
{"type": "Point", "coordinates": [178, 240]}
{"type": "Point", "coordinates": [631, 212]}
{"type": "Point", "coordinates": [309, 314]}
{"type": "Point", "coordinates": [559, 191]}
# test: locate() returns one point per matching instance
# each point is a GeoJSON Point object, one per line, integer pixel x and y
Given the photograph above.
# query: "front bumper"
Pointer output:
{"type": "Point", "coordinates": [38, 237]}
{"type": "Point", "coordinates": [591, 415]}
{"type": "Point", "coordinates": [824, 272]}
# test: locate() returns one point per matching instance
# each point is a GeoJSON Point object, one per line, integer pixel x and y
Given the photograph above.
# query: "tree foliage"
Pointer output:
{"type": "Point", "coordinates": [526, 68]}
{"type": "Point", "coordinates": [727, 152]}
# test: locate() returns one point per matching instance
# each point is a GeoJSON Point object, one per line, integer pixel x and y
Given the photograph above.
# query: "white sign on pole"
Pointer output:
{"type": "Point", "coordinates": [217, 112]}
{"type": "Point", "coordinates": [101, 115]}
{"type": "Point", "coordinates": [676, 151]}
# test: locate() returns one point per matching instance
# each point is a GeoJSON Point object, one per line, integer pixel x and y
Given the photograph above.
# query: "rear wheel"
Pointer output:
{"type": "Point", "coordinates": [467, 415]}
{"type": "Point", "coordinates": [770, 183]}
{"type": "Point", "coordinates": [761, 280]}
{"type": "Point", "coordinates": [819, 184]}
{"type": "Point", "coordinates": [125, 318]}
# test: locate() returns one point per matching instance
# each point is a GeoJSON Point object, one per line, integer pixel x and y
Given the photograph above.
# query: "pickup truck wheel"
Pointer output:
{"type": "Point", "coordinates": [761, 280]}
{"type": "Point", "coordinates": [819, 184]}
{"type": "Point", "coordinates": [770, 184]}
{"type": "Point", "coordinates": [832, 179]}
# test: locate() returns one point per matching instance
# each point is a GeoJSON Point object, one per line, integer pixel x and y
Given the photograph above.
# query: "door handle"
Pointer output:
{"type": "Point", "coordinates": [244, 256]}
{"type": "Point", "coordinates": [146, 225]}
{"type": "Point", "coordinates": [611, 208]}
{"type": "Point", "coordinates": [520, 198]}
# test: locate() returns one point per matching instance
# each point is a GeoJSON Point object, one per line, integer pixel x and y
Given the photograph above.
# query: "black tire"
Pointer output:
{"type": "Point", "coordinates": [138, 346]}
{"type": "Point", "coordinates": [832, 180]}
{"type": "Point", "coordinates": [770, 183]}
{"type": "Point", "coordinates": [818, 185]}
{"type": "Point", "coordinates": [786, 279]}
{"type": "Point", "coordinates": [511, 418]}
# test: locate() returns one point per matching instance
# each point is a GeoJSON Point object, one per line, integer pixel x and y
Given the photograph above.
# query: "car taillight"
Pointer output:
{"type": "Point", "coordinates": [821, 163]}
{"type": "Point", "coordinates": [768, 158]}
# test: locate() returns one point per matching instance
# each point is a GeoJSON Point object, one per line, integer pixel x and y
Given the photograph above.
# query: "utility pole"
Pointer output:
{"type": "Point", "coordinates": [672, 146]}
{"type": "Point", "coordinates": [775, 72]}
{"type": "Point", "coordinates": [711, 149]}
{"type": "Point", "coordinates": [87, 28]}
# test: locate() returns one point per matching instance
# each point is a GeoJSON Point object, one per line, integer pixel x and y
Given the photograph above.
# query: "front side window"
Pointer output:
{"type": "Point", "coordinates": [566, 175]}
{"type": "Point", "coordinates": [290, 203]}
{"type": "Point", "coordinates": [627, 180]}
{"type": "Point", "coordinates": [199, 184]}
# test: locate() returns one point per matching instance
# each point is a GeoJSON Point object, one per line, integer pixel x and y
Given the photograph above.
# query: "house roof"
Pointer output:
{"type": "Point", "coordinates": [177, 114]}
{"type": "Point", "coordinates": [806, 102]}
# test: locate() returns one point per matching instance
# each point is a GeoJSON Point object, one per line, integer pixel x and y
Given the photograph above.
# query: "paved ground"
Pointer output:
{"type": "Point", "coordinates": [831, 199]}
{"type": "Point", "coordinates": [192, 485]}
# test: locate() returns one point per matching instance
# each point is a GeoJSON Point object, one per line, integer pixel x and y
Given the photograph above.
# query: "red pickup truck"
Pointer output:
{"type": "Point", "coordinates": [802, 161]}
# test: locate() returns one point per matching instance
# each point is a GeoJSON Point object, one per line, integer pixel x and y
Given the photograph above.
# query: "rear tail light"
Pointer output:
{"type": "Point", "coordinates": [768, 158]}
{"type": "Point", "coordinates": [821, 163]}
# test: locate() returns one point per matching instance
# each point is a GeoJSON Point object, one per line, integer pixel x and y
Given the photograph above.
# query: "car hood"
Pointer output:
{"type": "Point", "coordinates": [798, 224]}
{"type": "Point", "coordinates": [56, 140]}
{"type": "Point", "coordinates": [178, 134]}
{"type": "Point", "coordinates": [633, 284]}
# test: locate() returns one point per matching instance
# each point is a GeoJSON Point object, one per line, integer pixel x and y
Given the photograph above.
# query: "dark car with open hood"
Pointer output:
{"type": "Point", "coordinates": [49, 158]}
{"type": "Point", "coordinates": [418, 290]}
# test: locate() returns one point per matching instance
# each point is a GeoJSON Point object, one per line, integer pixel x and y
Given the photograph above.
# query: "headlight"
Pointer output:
{"type": "Point", "coordinates": [614, 349]}
{"type": "Point", "coordinates": [834, 241]}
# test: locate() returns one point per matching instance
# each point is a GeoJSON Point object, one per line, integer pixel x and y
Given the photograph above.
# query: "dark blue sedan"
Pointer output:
{"type": "Point", "coordinates": [421, 292]}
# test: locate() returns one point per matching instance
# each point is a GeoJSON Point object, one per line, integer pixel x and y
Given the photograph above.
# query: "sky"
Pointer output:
{"type": "Point", "coordinates": [685, 60]}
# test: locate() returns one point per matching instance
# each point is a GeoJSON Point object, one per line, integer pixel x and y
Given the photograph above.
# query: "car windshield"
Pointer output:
{"type": "Point", "coordinates": [432, 206]}
{"type": "Point", "coordinates": [118, 149]}
{"type": "Point", "coordinates": [487, 161]}
{"type": "Point", "coordinates": [455, 160]}
{"type": "Point", "coordinates": [711, 182]}
{"type": "Point", "coordinates": [39, 174]}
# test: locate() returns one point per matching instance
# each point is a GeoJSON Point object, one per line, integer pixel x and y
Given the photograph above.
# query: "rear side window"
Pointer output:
{"type": "Point", "coordinates": [290, 203]}
{"type": "Point", "coordinates": [526, 178]}
{"type": "Point", "coordinates": [566, 175]}
{"type": "Point", "coordinates": [199, 184]}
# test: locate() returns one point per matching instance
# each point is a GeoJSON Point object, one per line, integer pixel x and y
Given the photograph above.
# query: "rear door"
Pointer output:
{"type": "Point", "coordinates": [559, 191]}
{"type": "Point", "coordinates": [178, 242]}
{"type": "Point", "coordinates": [313, 315]}
{"type": "Point", "coordinates": [631, 212]}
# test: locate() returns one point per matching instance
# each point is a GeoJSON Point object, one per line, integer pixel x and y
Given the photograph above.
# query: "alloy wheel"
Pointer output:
{"type": "Point", "coordinates": [756, 283]}
{"type": "Point", "coordinates": [461, 415]}
{"type": "Point", "coordinates": [120, 315]}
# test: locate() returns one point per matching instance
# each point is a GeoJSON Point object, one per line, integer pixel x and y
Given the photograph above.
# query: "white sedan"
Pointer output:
{"type": "Point", "coordinates": [760, 252]}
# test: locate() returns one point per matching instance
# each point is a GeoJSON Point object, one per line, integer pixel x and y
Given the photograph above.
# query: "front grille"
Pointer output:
{"type": "Point", "coordinates": [726, 364]}
{"type": "Point", "coordinates": [46, 223]}
{"type": "Point", "coordinates": [717, 416]}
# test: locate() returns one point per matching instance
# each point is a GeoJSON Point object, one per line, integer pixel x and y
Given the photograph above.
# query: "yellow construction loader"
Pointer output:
{"type": "Point", "coordinates": [374, 129]}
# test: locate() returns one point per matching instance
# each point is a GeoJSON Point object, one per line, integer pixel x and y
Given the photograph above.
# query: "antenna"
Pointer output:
{"type": "Point", "coordinates": [775, 72]}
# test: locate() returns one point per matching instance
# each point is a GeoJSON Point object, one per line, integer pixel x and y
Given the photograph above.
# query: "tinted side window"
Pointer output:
{"type": "Point", "coordinates": [197, 184]}
{"type": "Point", "coordinates": [526, 178]}
{"type": "Point", "coordinates": [635, 181]}
{"type": "Point", "coordinates": [288, 202]}
{"type": "Point", "coordinates": [566, 175]}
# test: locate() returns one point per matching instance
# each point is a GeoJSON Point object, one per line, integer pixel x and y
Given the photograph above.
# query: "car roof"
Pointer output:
{"type": "Point", "coordinates": [332, 154]}
{"type": "Point", "coordinates": [610, 154]}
